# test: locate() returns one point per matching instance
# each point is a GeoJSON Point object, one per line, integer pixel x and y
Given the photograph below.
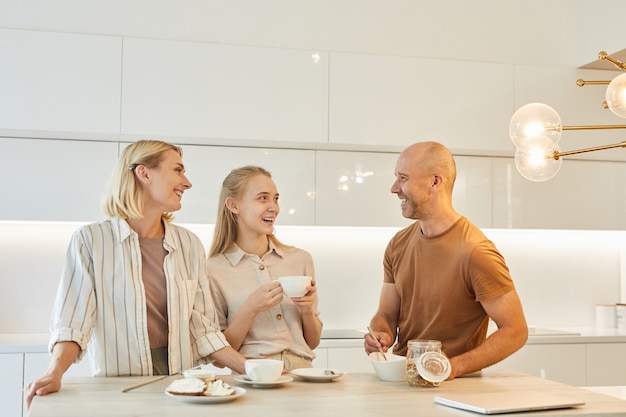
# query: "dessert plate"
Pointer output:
{"type": "Point", "coordinates": [203, 399]}
{"type": "Point", "coordinates": [318, 374]}
{"type": "Point", "coordinates": [283, 379]}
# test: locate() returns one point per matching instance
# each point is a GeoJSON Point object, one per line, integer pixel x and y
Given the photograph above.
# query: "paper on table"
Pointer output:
{"type": "Point", "coordinates": [506, 401]}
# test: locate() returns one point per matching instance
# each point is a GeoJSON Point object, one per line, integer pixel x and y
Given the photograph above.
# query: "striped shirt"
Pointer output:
{"type": "Point", "coordinates": [101, 300]}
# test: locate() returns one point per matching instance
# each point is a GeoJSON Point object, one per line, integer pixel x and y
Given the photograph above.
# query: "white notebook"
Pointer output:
{"type": "Point", "coordinates": [506, 401]}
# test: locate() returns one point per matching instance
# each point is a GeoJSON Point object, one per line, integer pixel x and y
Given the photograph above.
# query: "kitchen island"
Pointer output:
{"type": "Point", "coordinates": [359, 394]}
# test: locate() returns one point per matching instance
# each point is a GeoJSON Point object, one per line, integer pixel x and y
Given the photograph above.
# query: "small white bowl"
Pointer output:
{"type": "Point", "coordinates": [393, 369]}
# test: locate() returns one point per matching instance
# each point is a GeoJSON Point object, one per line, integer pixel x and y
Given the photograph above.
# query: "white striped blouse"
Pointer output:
{"type": "Point", "coordinates": [101, 300]}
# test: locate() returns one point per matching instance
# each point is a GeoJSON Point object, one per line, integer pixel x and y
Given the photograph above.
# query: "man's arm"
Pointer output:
{"type": "Point", "coordinates": [384, 324]}
{"type": "Point", "coordinates": [506, 311]}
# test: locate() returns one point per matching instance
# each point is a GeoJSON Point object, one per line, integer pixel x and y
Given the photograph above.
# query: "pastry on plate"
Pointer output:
{"type": "Point", "coordinates": [199, 386]}
{"type": "Point", "coordinates": [187, 386]}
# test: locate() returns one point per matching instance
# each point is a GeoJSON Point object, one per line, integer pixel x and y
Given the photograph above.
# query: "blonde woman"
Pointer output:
{"type": "Point", "coordinates": [134, 286]}
{"type": "Point", "coordinates": [244, 262]}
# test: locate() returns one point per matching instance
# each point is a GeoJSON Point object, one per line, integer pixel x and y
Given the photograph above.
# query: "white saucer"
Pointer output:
{"type": "Point", "coordinates": [281, 380]}
{"type": "Point", "coordinates": [203, 399]}
{"type": "Point", "coordinates": [318, 374]}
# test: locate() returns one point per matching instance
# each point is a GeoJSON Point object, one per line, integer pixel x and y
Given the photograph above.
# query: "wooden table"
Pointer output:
{"type": "Point", "coordinates": [351, 395]}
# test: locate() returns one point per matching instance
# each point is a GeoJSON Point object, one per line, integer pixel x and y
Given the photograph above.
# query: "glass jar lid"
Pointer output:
{"type": "Point", "coordinates": [433, 367]}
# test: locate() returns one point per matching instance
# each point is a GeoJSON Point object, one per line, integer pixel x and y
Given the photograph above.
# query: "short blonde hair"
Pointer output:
{"type": "Point", "coordinates": [124, 197]}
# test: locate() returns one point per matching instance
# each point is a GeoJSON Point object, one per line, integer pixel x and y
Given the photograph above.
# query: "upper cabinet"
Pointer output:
{"type": "Point", "coordinates": [201, 91]}
{"type": "Point", "coordinates": [583, 195]}
{"type": "Point", "coordinates": [293, 171]}
{"type": "Point", "coordinates": [328, 125]}
{"type": "Point", "coordinates": [54, 180]}
{"type": "Point", "coordinates": [391, 100]}
{"type": "Point", "coordinates": [354, 189]}
{"type": "Point", "coordinates": [59, 83]}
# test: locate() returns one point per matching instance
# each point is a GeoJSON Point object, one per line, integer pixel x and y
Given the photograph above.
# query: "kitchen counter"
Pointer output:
{"type": "Point", "coordinates": [548, 335]}
{"type": "Point", "coordinates": [24, 342]}
{"type": "Point", "coordinates": [353, 394]}
{"type": "Point", "coordinates": [38, 342]}
{"type": "Point", "coordinates": [537, 335]}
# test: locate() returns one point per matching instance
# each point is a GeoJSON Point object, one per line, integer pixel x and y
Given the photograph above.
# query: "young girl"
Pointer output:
{"type": "Point", "coordinates": [244, 264]}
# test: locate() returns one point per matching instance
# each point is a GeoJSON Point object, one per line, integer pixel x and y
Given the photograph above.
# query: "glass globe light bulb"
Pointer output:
{"type": "Point", "coordinates": [533, 120]}
{"type": "Point", "coordinates": [535, 162]}
{"type": "Point", "coordinates": [616, 95]}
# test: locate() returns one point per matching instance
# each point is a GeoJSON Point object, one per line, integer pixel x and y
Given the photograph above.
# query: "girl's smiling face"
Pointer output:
{"type": "Point", "coordinates": [258, 207]}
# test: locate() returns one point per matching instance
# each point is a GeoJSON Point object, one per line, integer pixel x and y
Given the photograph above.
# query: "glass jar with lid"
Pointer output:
{"type": "Point", "coordinates": [426, 365]}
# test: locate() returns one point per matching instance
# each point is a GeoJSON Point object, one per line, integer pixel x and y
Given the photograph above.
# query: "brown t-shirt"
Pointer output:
{"type": "Point", "coordinates": [441, 281]}
{"type": "Point", "coordinates": [152, 256]}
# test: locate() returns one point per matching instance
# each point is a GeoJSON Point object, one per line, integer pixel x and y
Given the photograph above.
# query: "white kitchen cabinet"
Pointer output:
{"type": "Point", "coordinates": [559, 362]}
{"type": "Point", "coordinates": [321, 358]}
{"type": "Point", "coordinates": [393, 100]}
{"type": "Point", "coordinates": [70, 86]}
{"type": "Point", "coordinates": [56, 180]}
{"type": "Point", "coordinates": [472, 194]}
{"type": "Point", "coordinates": [351, 359]}
{"type": "Point", "coordinates": [11, 384]}
{"type": "Point", "coordinates": [57, 82]}
{"type": "Point", "coordinates": [354, 189]}
{"type": "Point", "coordinates": [292, 170]}
{"type": "Point", "coordinates": [571, 200]}
{"type": "Point", "coordinates": [606, 364]}
{"type": "Point", "coordinates": [203, 90]}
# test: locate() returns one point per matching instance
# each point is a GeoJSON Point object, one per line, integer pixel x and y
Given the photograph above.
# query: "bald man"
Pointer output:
{"type": "Point", "coordinates": [443, 279]}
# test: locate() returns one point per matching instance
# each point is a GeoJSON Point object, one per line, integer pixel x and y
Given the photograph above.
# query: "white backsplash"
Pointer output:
{"type": "Point", "coordinates": [560, 275]}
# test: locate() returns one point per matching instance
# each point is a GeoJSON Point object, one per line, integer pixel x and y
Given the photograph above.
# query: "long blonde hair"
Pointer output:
{"type": "Point", "coordinates": [234, 186]}
{"type": "Point", "coordinates": [124, 197]}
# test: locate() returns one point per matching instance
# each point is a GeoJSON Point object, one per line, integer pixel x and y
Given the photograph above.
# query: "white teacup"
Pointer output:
{"type": "Point", "coordinates": [264, 370]}
{"type": "Point", "coordinates": [295, 286]}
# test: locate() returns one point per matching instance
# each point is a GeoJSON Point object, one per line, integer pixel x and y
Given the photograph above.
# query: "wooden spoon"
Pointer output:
{"type": "Point", "coordinates": [380, 349]}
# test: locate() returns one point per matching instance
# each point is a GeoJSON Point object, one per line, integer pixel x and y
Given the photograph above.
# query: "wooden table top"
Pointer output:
{"type": "Point", "coordinates": [351, 395]}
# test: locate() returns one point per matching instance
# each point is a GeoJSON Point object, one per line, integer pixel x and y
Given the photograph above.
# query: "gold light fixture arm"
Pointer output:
{"type": "Point", "coordinates": [536, 128]}
{"type": "Point", "coordinates": [605, 57]}
{"type": "Point", "coordinates": [580, 82]}
{"type": "Point", "coordinates": [556, 155]}
{"type": "Point", "coordinates": [586, 127]}
{"type": "Point", "coordinates": [593, 127]}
